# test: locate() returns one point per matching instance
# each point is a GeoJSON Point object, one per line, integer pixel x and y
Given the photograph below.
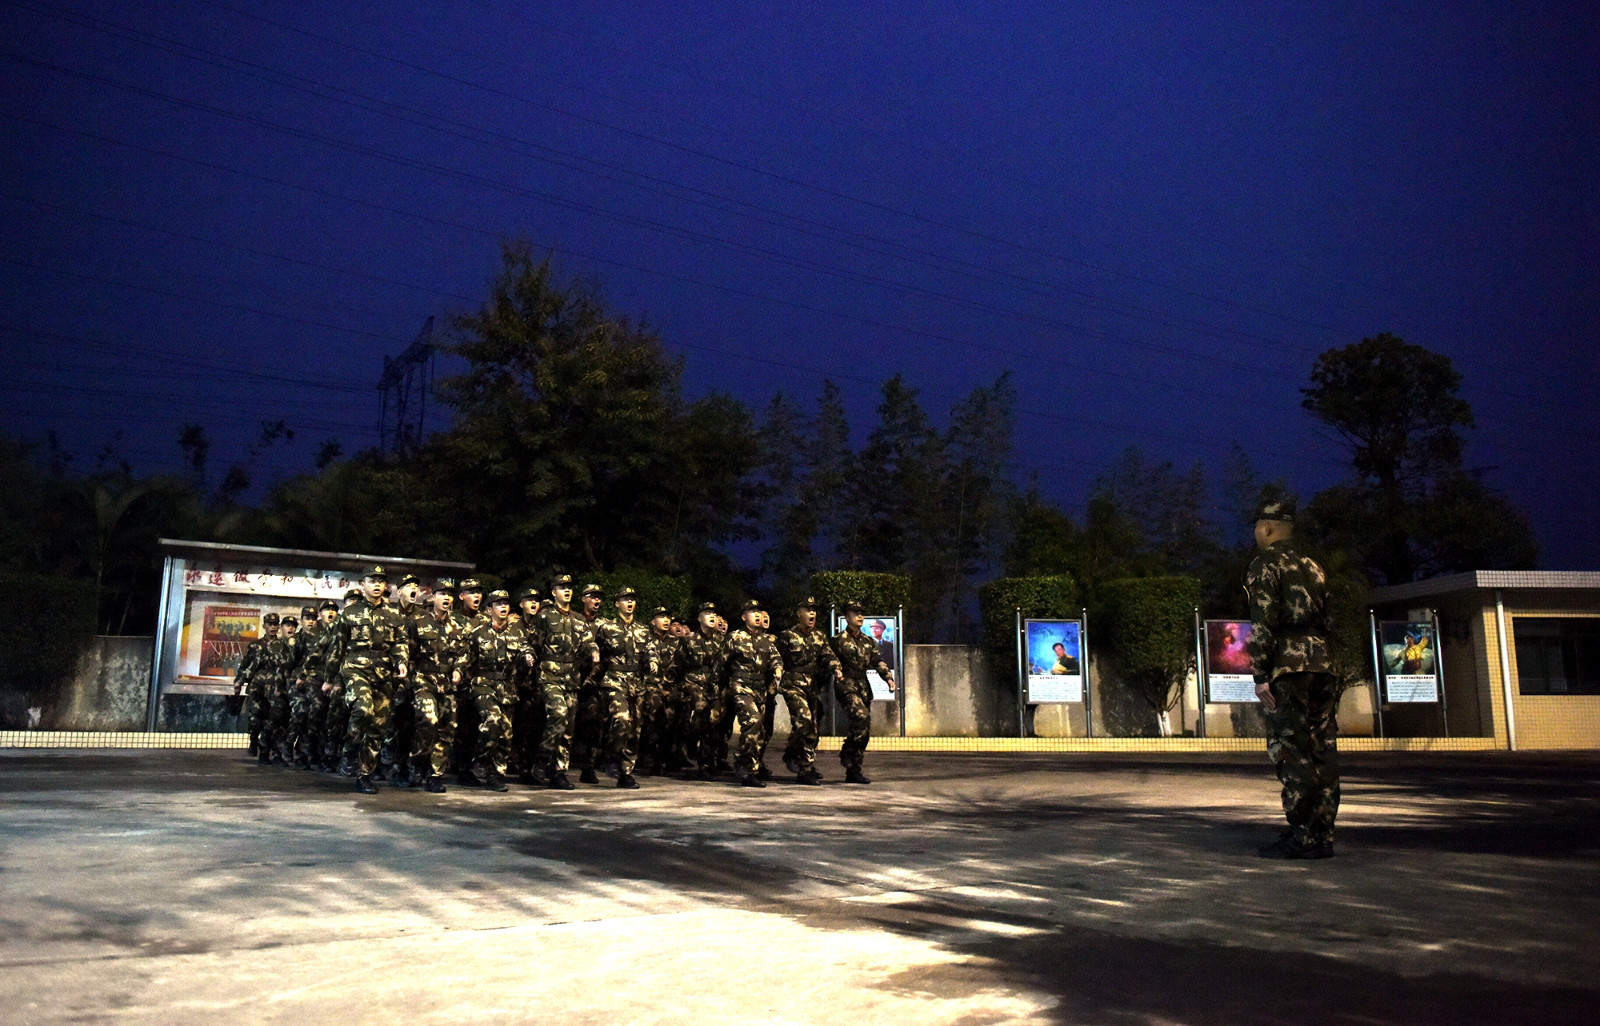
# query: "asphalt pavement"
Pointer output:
{"type": "Point", "coordinates": [173, 887]}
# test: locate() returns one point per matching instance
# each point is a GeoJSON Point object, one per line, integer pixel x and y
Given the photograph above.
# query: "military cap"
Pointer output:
{"type": "Point", "coordinates": [622, 593]}
{"type": "Point", "coordinates": [592, 589]}
{"type": "Point", "coordinates": [376, 572]}
{"type": "Point", "coordinates": [808, 603]}
{"type": "Point", "coordinates": [328, 604]}
{"type": "Point", "coordinates": [353, 593]}
{"type": "Point", "coordinates": [707, 607]}
{"type": "Point", "coordinates": [410, 579]}
{"type": "Point", "coordinates": [561, 581]}
{"type": "Point", "coordinates": [470, 584]}
{"type": "Point", "coordinates": [291, 621]}
{"type": "Point", "coordinates": [308, 610]}
{"type": "Point", "coordinates": [1276, 509]}
{"type": "Point", "coordinates": [446, 583]}
{"type": "Point", "coordinates": [659, 611]}
{"type": "Point", "coordinates": [751, 606]}
{"type": "Point", "coordinates": [852, 607]}
{"type": "Point", "coordinates": [498, 595]}
{"type": "Point", "coordinates": [270, 618]}
{"type": "Point", "coordinates": [527, 593]}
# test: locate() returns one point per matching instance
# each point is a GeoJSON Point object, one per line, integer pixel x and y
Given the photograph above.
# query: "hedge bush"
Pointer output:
{"type": "Point", "coordinates": [877, 593]}
{"type": "Point", "coordinates": [1148, 627]}
{"type": "Point", "coordinates": [49, 623]}
{"type": "Point", "coordinates": [654, 590]}
{"type": "Point", "coordinates": [1053, 598]}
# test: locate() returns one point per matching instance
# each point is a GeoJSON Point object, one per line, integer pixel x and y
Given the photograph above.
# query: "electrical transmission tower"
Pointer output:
{"type": "Point", "coordinates": [404, 385]}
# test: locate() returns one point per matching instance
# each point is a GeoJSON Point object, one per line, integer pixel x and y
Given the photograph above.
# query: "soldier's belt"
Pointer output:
{"type": "Point", "coordinates": [494, 675]}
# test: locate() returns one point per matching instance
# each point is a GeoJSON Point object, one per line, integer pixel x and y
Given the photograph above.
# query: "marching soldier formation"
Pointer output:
{"type": "Point", "coordinates": [408, 689]}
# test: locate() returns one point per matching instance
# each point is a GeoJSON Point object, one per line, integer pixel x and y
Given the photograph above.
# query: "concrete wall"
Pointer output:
{"type": "Point", "coordinates": [110, 690]}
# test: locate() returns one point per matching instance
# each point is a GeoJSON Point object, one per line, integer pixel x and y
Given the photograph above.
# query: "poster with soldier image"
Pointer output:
{"type": "Point", "coordinates": [1410, 661]}
{"type": "Point", "coordinates": [885, 630]}
{"type": "Point", "coordinates": [1228, 676]}
{"type": "Point", "coordinates": [1055, 660]}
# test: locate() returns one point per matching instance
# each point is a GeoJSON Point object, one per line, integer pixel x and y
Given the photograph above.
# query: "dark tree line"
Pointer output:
{"type": "Point", "coordinates": [572, 446]}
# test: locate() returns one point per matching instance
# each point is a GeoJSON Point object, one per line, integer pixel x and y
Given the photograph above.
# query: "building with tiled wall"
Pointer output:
{"type": "Point", "coordinates": [1519, 653]}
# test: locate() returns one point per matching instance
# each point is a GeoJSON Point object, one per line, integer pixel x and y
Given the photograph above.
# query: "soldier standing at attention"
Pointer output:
{"type": "Point", "coordinates": [754, 670]}
{"type": "Point", "coordinates": [626, 659]}
{"type": "Point", "coordinates": [244, 678]}
{"type": "Point", "coordinates": [527, 715]}
{"type": "Point", "coordinates": [394, 758]}
{"type": "Point", "coordinates": [590, 725]}
{"type": "Point", "coordinates": [702, 657]}
{"type": "Point", "coordinates": [562, 646]}
{"type": "Point", "coordinates": [857, 653]}
{"type": "Point", "coordinates": [809, 667]}
{"type": "Point", "coordinates": [1293, 669]}
{"type": "Point", "coordinates": [370, 650]}
{"type": "Point", "coordinates": [493, 648]}
{"type": "Point", "coordinates": [654, 706]}
{"type": "Point", "coordinates": [439, 650]}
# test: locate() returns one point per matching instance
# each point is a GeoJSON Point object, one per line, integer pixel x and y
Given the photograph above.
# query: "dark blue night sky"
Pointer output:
{"type": "Point", "coordinates": [1154, 215]}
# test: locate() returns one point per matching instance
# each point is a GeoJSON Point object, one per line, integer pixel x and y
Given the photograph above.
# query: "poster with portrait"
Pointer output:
{"type": "Point", "coordinates": [1054, 651]}
{"type": "Point", "coordinates": [1228, 676]}
{"type": "Point", "coordinates": [1410, 654]}
{"type": "Point", "coordinates": [885, 631]}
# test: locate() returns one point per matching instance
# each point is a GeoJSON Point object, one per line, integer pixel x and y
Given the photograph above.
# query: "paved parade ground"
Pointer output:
{"type": "Point", "coordinates": [197, 887]}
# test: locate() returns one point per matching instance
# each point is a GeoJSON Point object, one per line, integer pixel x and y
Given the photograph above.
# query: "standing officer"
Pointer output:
{"type": "Point", "coordinates": [370, 650]}
{"type": "Point", "coordinates": [809, 666]}
{"type": "Point", "coordinates": [590, 725]}
{"type": "Point", "coordinates": [754, 670]}
{"type": "Point", "coordinates": [857, 653]}
{"type": "Point", "coordinates": [493, 648]}
{"type": "Point", "coordinates": [702, 657]}
{"type": "Point", "coordinates": [438, 654]}
{"type": "Point", "coordinates": [562, 647]}
{"type": "Point", "coordinates": [244, 675]}
{"type": "Point", "coordinates": [1293, 669]}
{"type": "Point", "coordinates": [626, 659]}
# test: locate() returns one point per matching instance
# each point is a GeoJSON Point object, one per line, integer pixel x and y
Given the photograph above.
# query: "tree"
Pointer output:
{"type": "Point", "coordinates": [1411, 510]}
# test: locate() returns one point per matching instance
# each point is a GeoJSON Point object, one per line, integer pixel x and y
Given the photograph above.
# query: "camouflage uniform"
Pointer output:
{"type": "Point", "coordinates": [701, 659]}
{"type": "Point", "coordinates": [394, 755]}
{"type": "Point", "coordinates": [369, 643]}
{"type": "Point", "coordinates": [243, 681]}
{"type": "Point", "coordinates": [527, 715]}
{"type": "Point", "coordinates": [754, 672]}
{"type": "Point", "coordinates": [589, 724]}
{"type": "Point", "coordinates": [1288, 595]}
{"type": "Point", "coordinates": [313, 730]}
{"type": "Point", "coordinates": [655, 720]}
{"type": "Point", "coordinates": [809, 666]}
{"type": "Point", "coordinates": [438, 648]}
{"type": "Point", "coordinates": [491, 656]}
{"type": "Point", "coordinates": [563, 648]}
{"type": "Point", "coordinates": [857, 653]}
{"type": "Point", "coordinates": [275, 663]}
{"type": "Point", "coordinates": [626, 659]}
{"type": "Point", "coordinates": [300, 691]}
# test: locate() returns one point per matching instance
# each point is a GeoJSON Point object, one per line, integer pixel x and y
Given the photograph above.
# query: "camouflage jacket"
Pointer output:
{"type": "Point", "coordinates": [366, 636]}
{"type": "Point", "coordinates": [1288, 595]}
{"type": "Point", "coordinates": [249, 661]}
{"type": "Point", "coordinates": [753, 660]}
{"type": "Point", "coordinates": [562, 644]}
{"type": "Point", "coordinates": [806, 653]}
{"type": "Point", "coordinates": [625, 648]}
{"type": "Point", "coordinates": [702, 656]}
{"type": "Point", "coordinates": [489, 651]}
{"type": "Point", "coordinates": [437, 645]}
{"type": "Point", "coordinates": [663, 650]}
{"type": "Point", "coordinates": [308, 659]}
{"type": "Point", "coordinates": [858, 653]}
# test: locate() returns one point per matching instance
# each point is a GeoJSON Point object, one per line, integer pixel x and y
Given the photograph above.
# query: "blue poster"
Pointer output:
{"type": "Point", "coordinates": [1055, 660]}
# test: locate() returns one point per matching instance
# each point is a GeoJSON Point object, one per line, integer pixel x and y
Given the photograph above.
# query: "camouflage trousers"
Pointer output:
{"type": "Point", "coordinates": [1302, 742]}
{"type": "Point", "coordinates": [314, 732]}
{"type": "Point", "coordinates": [589, 726]}
{"type": "Point", "coordinates": [433, 725]}
{"type": "Point", "coordinates": [855, 698]}
{"type": "Point", "coordinates": [368, 691]}
{"type": "Point", "coordinates": [260, 706]}
{"type": "Point", "coordinates": [802, 747]}
{"type": "Point", "coordinates": [275, 735]}
{"type": "Point", "coordinates": [336, 728]}
{"type": "Point", "coordinates": [750, 701]}
{"type": "Point", "coordinates": [702, 709]}
{"type": "Point", "coordinates": [622, 697]}
{"type": "Point", "coordinates": [560, 709]}
{"type": "Point", "coordinates": [728, 704]}
{"type": "Point", "coordinates": [677, 729]}
{"type": "Point", "coordinates": [527, 724]}
{"type": "Point", "coordinates": [654, 726]}
{"type": "Point", "coordinates": [301, 704]}
{"type": "Point", "coordinates": [394, 755]}
{"type": "Point", "coordinates": [492, 702]}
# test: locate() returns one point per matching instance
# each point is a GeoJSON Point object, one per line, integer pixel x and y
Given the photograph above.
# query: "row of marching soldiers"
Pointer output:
{"type": "Point", "coordinates": [409, 689]}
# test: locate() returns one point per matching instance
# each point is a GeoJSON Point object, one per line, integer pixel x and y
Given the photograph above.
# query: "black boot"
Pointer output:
{"type": "Point", "coordinates": [762, 773]}
{"type": "Point", "coordinates": [365, 785]}
{"type": "Point", "coordinates": [588, 777]}
{"type": "Point", "coordinates": [751, 780]}
{"type": "Point", "coordinates": [855, 776]}
{"type": "Point", "coordinates": [435, 785]}
{"type": "Point", "coordinates": [559, 781]}
{"type": "Point", "coordinates": [495, 782]}
{"type": "Point", "coordinates": [626, 780]}
{"type": "Point", "coordinates": [809, 777]}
